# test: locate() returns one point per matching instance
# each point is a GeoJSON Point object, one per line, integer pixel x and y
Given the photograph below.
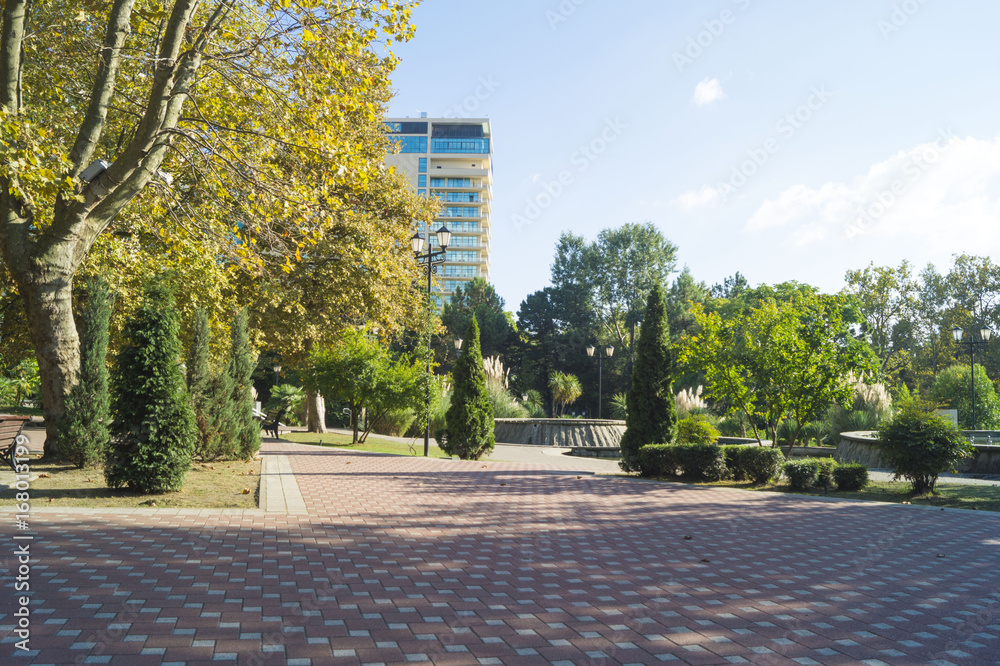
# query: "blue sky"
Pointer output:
{"type": "Point", "coordinates": [785, 140]}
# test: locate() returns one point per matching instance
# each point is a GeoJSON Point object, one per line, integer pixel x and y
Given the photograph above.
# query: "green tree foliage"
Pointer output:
{"type": "Point", "coordinates": [696, 429]}
{"type": "Point", "coordinates": [252, 106]}
{"type": "Point", "coordinates": [920, 445]}
{"type": "Point", "coordinates": [953, 390]}
{"type": "Point", "coordinates": [83, 429]}
{"type": "Point", "coordinates": [555, 326]}
{"type": "Point", "coordinates": [210, 395]}
{"type": "Point", "coordinates": [617, 270]}
{"type": "Point", "coordinates": [359, 371]}
{"type": "Point", "coordinates": [479, 299]}
{"type": "Point", "coordinates": [887, 299]}
{"type": "Point", "coordinates": [470, 417]}
{"type": "Point", "coordinates": [565, 389]}
{"type": "Point", "coordinates": [153, 428]}
{"type": "Point", "coordinates": [779, 359]}
{"type": "Point", "coordinates": [239, 367]}
{"type": "Point", "coordinates": [652, 408]}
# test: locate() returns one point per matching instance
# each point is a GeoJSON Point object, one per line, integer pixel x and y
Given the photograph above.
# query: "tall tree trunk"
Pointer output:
{"type": "Point", "coordinates": [48, 301]}
{"type": "Point", "coordinates": [315, 412]}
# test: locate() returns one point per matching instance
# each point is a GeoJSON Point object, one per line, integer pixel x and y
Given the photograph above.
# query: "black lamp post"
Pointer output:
{"type": "Point", "coordinates": [984, 337]}
{"type": "Point", "coordinates": [609, 350]}
{"type": "Point", "coordinates": [458, 345]}
{"type": "Point", "coordinates": [277, 368]}
{"type": "Point", "coordinates": [430, 260]}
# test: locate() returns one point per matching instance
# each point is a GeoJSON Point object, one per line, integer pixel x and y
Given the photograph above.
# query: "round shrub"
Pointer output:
{"type": "Point", "coordinates": [919, 445]}
{"type": "Point", "coordinates": [850, 476]}
{"type": "Point", "coordinates": [827, 466]}
{"type": "Point", "coordinates": [802, 474]}
{"type": "Point", "coordinates": [696, 429]}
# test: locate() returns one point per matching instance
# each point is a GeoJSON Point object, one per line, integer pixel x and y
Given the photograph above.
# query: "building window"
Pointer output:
{"type": "Point", "coordinates": [422, 193]}
{"type": "Point", "coordinates": [462, 255]}
{"type": "Point", "coordinates": [461, 271]}
{"type": "Point", "coordinates": [411, 144]}
{"type": "Point", "coordinates": [458, 241]}
{"type": "Point", "coordinates": [481, 146]}
{"type": "Point", "coordinates": [406, 128]}
{"type": "Point", "coordinates": [421, 180]}
{"type": "Point", "coordinates": [460, 211]}
{"type": "Point", "coordinates": [463, 226]}
{"type": "Point", "coordinates": [422, 168]}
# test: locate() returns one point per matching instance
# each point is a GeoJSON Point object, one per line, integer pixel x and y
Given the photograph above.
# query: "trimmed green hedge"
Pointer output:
{"type": "Point", "coordinates": [758, 464]}
{"type": "Point", "coordinates": [850, 476]}
{"type": "Point", "coordinates": [699, 462]}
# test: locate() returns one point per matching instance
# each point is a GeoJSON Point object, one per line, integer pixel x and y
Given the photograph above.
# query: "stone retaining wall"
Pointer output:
{"type": "Point", "coordinates": [559, 432]}
{"type": "Point", "coordinates": [862, 447]}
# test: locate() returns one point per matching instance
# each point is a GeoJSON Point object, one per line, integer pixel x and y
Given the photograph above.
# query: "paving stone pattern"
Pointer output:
{"type": "Point", "coordinates": [408, 560]}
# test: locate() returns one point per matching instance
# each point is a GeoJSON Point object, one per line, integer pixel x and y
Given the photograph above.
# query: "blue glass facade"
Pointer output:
{"type": "Point", "coordinates": [422, 165]}
{"type": "Point", "coordinates": [461, 255]}
{"type": "Point", "coordinates": [457, 197]}
{"type": "Point", "coordinates": [460, 211]}
{"type": "Point", "coordinates": [412, 144]}
{"type": "Point", "coordinates": [422, 180]}
{"type": "Point", "coordinates": [461, 271]}
{"type": "Point", "coordinates": [478, 146]}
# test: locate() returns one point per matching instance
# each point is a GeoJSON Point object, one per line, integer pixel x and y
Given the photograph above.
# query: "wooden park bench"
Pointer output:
{"type": "Point", "coordinates": [272, 421]}
{"type": "Point", "coordinates": [10, 428]}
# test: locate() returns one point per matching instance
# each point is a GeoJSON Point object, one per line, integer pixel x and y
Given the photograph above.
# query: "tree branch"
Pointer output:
{"type": "Point", "coordinates": [104, 85]}
{"type": "Point", "coordinates": [15, 15]}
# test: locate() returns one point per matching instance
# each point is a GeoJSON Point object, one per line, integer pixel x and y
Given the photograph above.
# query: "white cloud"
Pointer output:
{"type": "Point", "coordinates": [696, 198]}
{"type": "Point", "coordinates": [708, 91]}
{"type": "Point", "coordinates": [943, 195]}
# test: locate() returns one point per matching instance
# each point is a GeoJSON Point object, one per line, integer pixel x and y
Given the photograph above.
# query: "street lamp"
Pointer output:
{"type": "Point", "coordinates": [277, 368]}
{"type": "Point", "coordinates": [984, 336]}
{"type": "Point", "coordinates": [430, 260]}
{"type": "Point", "coordinates": [609, 350]}
{"type": "Point", "coordinates": [458, 344]}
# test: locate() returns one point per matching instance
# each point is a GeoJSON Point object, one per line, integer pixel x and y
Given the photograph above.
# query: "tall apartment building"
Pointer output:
{"type": "Point", "coordinates": [449, 159]}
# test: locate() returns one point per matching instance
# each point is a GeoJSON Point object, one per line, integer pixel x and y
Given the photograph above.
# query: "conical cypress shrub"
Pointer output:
{"type": "Point", "coordinates": [83, 433]}
{"type": "Point", "coordinates": [469, 433]}
{"type": "Point", "coordinates": [246, 428]}
{"type": "Point", "coordinates": [652, 410]}
{"type": "Point", "coordinates": [153, 432]}
{"type": "Point", "coordinates": [211, 397]}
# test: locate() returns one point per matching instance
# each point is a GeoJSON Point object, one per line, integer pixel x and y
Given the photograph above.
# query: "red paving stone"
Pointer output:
{"type": "Point", "coordinates": [411, 560]}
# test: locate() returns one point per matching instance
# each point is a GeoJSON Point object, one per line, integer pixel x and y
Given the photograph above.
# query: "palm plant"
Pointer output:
{"type": "Point", "coordinates": [619, 406]}
{"type": "Point", "coordinates": [566, 388]}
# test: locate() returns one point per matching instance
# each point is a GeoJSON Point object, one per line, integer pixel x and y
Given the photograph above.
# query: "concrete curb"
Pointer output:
{"type": "Point", "coordinates": [279, 492]}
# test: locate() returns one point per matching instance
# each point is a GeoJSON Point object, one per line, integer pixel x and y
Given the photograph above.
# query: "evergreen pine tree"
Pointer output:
{"type": "Point", "coordinates": [83, 429]}
{"type": "Point", "coordinates": [245, 427]}
{"type": "Point", "coordinates": [469, 419]}
{"type": "Point", "coordinates": [211, 397]}
{"type": "Point", "coordinates": [153, 432]}
{"type": "Point", "coordinates": [652, 410]}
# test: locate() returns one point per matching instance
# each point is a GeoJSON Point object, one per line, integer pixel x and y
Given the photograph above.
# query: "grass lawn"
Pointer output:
{"type": "Point", "coordinates": [22, 411]}
{"type": "Point", "coordinates": [218, 485]}
{"type": "Point", "coordinates": [954, 496]}
{"type": "Point", "coordinates": [372, 444]}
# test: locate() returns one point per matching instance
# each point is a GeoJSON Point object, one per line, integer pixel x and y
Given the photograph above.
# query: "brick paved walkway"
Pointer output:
{"type": "Point", "coordinates": [417, 560]}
